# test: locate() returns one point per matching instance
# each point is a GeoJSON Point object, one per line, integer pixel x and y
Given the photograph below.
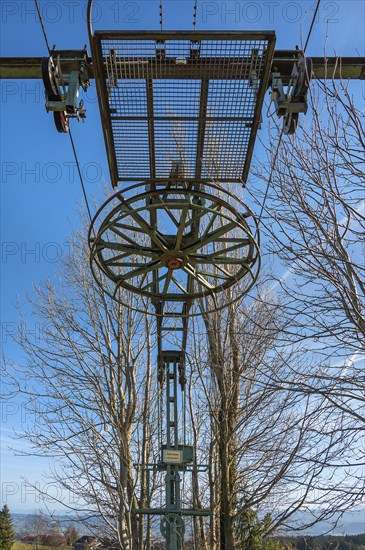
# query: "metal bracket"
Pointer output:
{"type": "Point", "coordinates": [62, 88]}
{"type": "Point", "coordinates": [294, 101]}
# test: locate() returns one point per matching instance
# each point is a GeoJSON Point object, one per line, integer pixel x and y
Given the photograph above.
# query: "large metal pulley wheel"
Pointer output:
{"type": "Point", "coordinates": [173, 244]}
{"type": "Point", "coordinates": [49, 73]}
{"type": "Point", "coordinates": [304, 70]}
{"type": "Point", "coordinates": [49, 77]}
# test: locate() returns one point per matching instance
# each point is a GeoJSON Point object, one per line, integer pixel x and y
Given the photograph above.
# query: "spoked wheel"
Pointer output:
{"type": "Point", "coordinates": [304, 68]}
{"type": "Point", "coordinates": [48, 76]}
{"type": "Point", "coordinates": [49, 81]}
{"type": "Point", "coordinates": [173, 245]}
{"type": "Point", "coordinates": [61, 121]}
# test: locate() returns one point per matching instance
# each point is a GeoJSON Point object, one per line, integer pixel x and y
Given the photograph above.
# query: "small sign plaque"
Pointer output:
{"type": "Point", "coordinates": [172, 456]}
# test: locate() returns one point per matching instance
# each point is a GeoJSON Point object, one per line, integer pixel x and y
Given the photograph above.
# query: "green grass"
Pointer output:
{"type": "Point", "coordinates": [24, 546]}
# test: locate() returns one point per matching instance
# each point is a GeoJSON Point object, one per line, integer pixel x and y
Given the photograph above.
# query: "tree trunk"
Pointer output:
{"type": "Point", "coordinates": [226, 483]}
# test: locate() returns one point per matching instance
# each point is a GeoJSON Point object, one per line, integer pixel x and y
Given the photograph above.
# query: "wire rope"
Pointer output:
{"type": "Point", "coordinates": [80, 175]}
{"type": "Point", "coordinates": [42, 25]}
{"type": "Point", "coordinates": [270, 176]}
{"type": "Point", "coordinates": [161, 15]}
{"type": "Point", "coordinates": [70, 134]}
{"type": "Point", "coordinates": [281, 133]}
{"type": "Point", "coordinates": [312, 24]}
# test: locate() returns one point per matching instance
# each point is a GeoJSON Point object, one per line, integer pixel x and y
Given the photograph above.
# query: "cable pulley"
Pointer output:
{"type": "Point", "coordinates": [62, 88]}
{"type": "Point", "coordinates": [294, 101]}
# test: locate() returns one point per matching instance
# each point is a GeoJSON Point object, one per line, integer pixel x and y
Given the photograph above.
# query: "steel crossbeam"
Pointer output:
{"type": "Point", "coordinates": [346, 68]}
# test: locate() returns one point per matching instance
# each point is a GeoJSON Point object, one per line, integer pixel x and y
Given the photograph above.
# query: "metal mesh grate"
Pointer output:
{"type": "Point", "coordinates": [173, 97]}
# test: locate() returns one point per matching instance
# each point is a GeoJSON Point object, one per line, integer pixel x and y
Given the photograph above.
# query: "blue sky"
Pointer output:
{"type": "Point", "coordinates": [40, 190]}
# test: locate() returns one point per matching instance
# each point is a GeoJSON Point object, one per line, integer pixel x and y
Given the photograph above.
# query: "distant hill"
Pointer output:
{"type": "Point", "coordinates": [22, 523]}
{"type": "Point", "coordinates": [325, 542]}
{"type": "Point", "coordinates": [350, 532]}
{"type": "Point", "coordinates": [351, 523]}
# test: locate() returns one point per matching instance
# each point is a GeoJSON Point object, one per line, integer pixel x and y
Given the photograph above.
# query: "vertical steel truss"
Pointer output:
{"type": "Point", "coordinates": [177, 458]}
{"type": "Point", "coordinates": [174, 242]}
{"type": "Point", "coordinates": [172, 524]}
{"type": "Point", "coordinates": [179, 111]}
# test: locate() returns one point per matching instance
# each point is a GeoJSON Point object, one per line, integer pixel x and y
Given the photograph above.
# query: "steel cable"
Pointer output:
{"type": "Point", "coordinates": [70, 134]}
{"type": "Point", "coordinates": [311, 27]}
{"type": "Point", "coordinates": [161, 15]}
{"type": "Point", "coordinates": [80, 174]}
{"type": "Point", "coordinates": [281, 133]}
{"type": "Point", "coordinates": [42, 25]}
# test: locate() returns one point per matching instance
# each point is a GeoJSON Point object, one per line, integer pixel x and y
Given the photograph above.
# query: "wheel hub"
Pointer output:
{"type": "Point", "coordinates": [173, 259]}
{"type": "Point", "coordinates": [174, 262]}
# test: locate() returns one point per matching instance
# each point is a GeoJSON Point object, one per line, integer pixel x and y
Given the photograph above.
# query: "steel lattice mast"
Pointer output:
{"type": "Point", "coordinates": [185, 107]}
{"type": "Point", "coordinates": [180, 112]}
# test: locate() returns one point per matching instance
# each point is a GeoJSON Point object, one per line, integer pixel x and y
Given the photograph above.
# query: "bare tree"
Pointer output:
{"type": "Point", "coordinates": [314, 219]}
{"type": "Point", "coordinates": [88, 381]}
{"type": "Point", "coordinates": [277, 456]}
{"type": "Point", "coordinates": [278, 424]}
{"type": "Point", "coordinates": [37, 527]}
{"type": "Point", "coordinates": [285, 419]}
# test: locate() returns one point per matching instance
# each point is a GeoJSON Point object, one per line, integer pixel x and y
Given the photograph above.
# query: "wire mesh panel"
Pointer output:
{"type": "Point", "coordinates": [191, 98]}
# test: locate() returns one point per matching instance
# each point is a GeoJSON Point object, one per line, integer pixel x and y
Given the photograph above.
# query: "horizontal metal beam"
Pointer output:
{"type": "Point", "coordinates": [162, 512]}
{"type": "Point", "coordinates": [30, 67]}
{"type": "Point", "coordinates": [332, 67]}
{"type": "Point", "coordinates": [337, 68]}
{"type": "Point", "coordinates": [184, 35]}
